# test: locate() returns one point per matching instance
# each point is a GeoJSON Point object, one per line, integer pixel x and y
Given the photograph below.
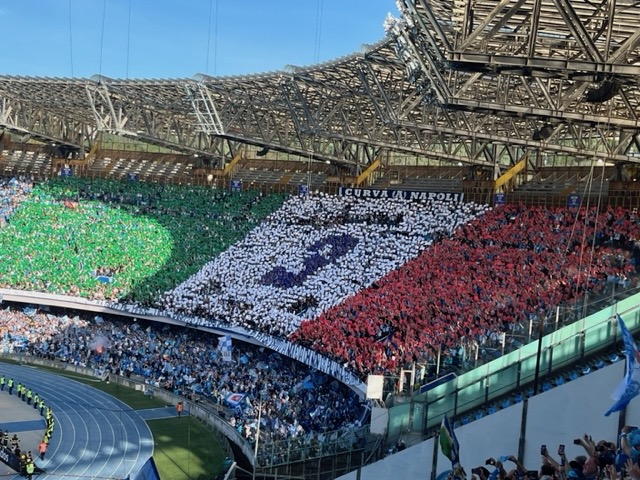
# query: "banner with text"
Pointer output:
{"type": "Point", "coordinates": [401, 194]}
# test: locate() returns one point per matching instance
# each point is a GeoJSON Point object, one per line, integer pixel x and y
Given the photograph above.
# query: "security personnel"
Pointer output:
{"type": "Point", "coordinates": [15, 441]}
{"type": "Point", "coordinates": [30, 468]}
{"type": "Point", "coordinates": [41, 407]}
{"type": "Point", "coordinates": [19, 390]}
{"type": "Point", "coordinates": [5, 438]}
{"type": "Point", "coordinates": [42, 448]}
{"type": "Point", "coordinates": [3, 381]}
{"type": "Point", "coordinates": [10, 386]}
{"type": "Point", "coordinates": [49, 432]}
{"type": "Point", "coordinates": [36, 401]}
{"type": "Point", "coordinates": [29, 396]}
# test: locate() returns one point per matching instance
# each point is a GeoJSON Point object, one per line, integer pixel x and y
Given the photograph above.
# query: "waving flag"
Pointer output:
{"type": "Point", "coordinates": [235, 399]}
{"type": "Point", "coordinates": [630, 385]}
{"type": "Point", "coordinates": [225, 345]}
{"type": "Point", "coordinates": [449, 443]}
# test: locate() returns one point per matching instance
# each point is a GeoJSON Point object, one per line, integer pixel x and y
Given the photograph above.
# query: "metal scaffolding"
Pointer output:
{"type": "Point", "coordinates": [470, 82]}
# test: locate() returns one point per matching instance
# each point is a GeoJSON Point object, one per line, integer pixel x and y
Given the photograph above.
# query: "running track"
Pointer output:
{"type": "Point", "coordinates": [95, 435]}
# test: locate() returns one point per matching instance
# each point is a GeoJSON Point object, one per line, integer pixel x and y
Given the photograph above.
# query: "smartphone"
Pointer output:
{"type": "Point", "coordinates": [561, 450]}
{"type": "Point", "coordinates": [543, 450]}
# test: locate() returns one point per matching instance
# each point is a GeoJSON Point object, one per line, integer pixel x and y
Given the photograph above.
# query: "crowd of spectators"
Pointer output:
{"type": "Point", "coordinates": [601, 459]}
{"type": "Point", "coordinates": [19, 328]}
{"type": "Point", "coordinates": [492, 275]}
{"type": "Point", "coordinates": [130, 242]}
{"type": "Point", "coordinates": [372, 283]}
{"type": "Point", "coordinates": [12, 193]}
{"type": "Point", "coordinates": [310, 255]}
{"type": "Point", "coordinates": [295, 401]}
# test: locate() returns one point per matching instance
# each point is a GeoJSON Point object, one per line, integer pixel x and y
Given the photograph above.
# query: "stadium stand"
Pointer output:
{"type": "Point", "coordinates": [553, 246]}
{"type": "Point", "coordinates": [463, 288]}
{"type": "Point", "coordinates": [185, 228]}
{"type": "Point", "coordinates": [12, 193]}
{"type": "Point", "coordinates": [22, 163]}
{"type": "Point", "coordinates": [310, 255]}
{"type": "Point", "coordinates": [422, 178]}
{"type": "Point", "coordinates": [312, 258]}
{"type": "Point", "coordinates": [297, 402]}
{"type": "Point", "coordinates": [500, 91]}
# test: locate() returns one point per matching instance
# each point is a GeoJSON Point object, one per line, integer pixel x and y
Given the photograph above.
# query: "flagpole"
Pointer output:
{"type": "Point", "coordinates": [255, 451]}
{"type": "Point", "coordinates": [434, 459]}
{"type": "Point", "coordinates": [538, 356]}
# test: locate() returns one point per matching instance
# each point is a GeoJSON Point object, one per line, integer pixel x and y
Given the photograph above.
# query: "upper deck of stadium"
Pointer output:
{"type": "Point", "coordinates": [461, 82]}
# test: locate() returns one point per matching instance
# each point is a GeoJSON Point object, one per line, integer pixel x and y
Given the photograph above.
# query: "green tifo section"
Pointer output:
{"type": "Point", "coordinates": [146, 238]}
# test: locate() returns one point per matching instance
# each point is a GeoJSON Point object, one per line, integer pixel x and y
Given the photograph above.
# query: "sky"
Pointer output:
{"type": "Point", "coordinates": [180, 38]}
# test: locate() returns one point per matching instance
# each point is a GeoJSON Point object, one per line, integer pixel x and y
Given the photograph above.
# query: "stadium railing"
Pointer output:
{"type": "Point", "coordinates": [515, 371]}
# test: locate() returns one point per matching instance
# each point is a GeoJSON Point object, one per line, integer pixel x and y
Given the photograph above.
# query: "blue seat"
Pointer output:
{"type": "Point", "coordinates": [492, 409]}
{"type": "Point", "coordinates": [559, 381]}
{"type": "Point", "coordinates": [600, 364]}
{"type": "Point", "coordinates": [479, 414]}
{"type": "Point", "coordinates": [519, 397]}
{"type": "Point", "coordinates": [506, 403]}
{"type": "Point", "coordinates": [546, 386]}
{"type": "Point", "coordinates": [573, 375]}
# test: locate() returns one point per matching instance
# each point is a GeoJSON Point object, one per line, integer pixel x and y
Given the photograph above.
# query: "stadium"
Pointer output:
{"type": "Point", "coordinates": [363, 268]}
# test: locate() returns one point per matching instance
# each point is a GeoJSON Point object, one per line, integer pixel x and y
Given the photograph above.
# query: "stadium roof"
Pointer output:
{"type": "Point", "coordinates": [461, 81]}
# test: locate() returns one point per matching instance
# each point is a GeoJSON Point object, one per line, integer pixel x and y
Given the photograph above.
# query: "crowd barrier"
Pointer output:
{"type": "Point", "coordinates": [516, 371]}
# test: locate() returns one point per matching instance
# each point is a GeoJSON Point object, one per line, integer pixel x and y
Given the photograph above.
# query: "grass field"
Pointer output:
{"type": "Point", "coordinates": [184, 448]}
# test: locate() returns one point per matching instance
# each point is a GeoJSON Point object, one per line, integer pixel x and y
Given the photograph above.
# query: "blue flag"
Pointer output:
{"type": "Point", "coordinates": [449, 443]}
{"type": "Point", "coordinates": [234, 400]}
{"type": "Point", "coordinates": [630, 385]}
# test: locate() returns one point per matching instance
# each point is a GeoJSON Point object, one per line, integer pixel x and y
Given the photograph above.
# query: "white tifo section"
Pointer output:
{"type": "Point", "coordinates": [380, 234]}
{"type": "Point", "coordinates": [553, 418]}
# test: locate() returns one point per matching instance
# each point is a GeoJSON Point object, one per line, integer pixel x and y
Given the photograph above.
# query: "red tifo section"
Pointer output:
{"type": "Point", "coordinates": [510, 264]}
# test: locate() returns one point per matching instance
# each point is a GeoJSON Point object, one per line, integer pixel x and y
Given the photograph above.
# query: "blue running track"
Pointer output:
{"type": "Point", "coordinates": [95, 436]}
